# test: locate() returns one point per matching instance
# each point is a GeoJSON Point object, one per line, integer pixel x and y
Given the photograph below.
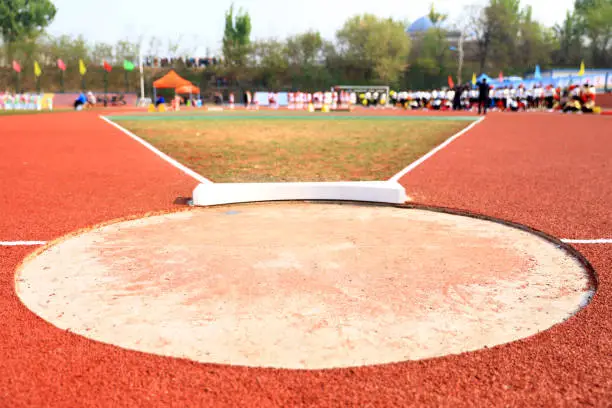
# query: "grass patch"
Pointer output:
{"type": "Point", "coordinates": [297, 150]}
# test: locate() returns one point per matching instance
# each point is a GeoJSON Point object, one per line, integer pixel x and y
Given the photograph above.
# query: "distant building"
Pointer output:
{"type": "Point", "coordinates": [421, 25]}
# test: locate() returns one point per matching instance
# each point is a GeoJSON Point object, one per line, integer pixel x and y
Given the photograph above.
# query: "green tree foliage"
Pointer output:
{"type": "Point", "coordinates": [534, 43]}
{"type": "Point", "coordinates": [594, 20]}
{"type": "Point", "coordinates": [305, 49]}
{"type": "Point", "coordinates": [270, 57]}
{"type": "Point", "coordinates": [435, 17]}
{"type": "Point", "coordinates": [432, 57]}
{"type": "Point", "coordinates": [378, 46]}
{"type": "Point", "coordinates": [23, 19]}
{"type": "Point", "coordinates": [236, 37]}
{"type": "Point", "coordinates": [568, 41]}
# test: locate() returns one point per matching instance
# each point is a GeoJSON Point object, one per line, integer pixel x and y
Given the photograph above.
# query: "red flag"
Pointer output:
{"type": "Point", "coordinates": [451, 84]}
{"type": "Point", "coordinates": [501, 76]}
{"type": "Point", "coordinates": [107, 67]}
{"type": "Point", "coordinates": [61, 65]}
{"type": "Point", "coordinates": [16, 66]}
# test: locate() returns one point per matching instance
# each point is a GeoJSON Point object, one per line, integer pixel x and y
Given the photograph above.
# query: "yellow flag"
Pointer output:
{"type": "Point", "coordinates": [473, 79]}
{"type": "Point", "coordinates": [82, 68]}
{"type": "Point", "coordinates": [37, 70]}
{"type": "Point", "coordinates": [581, 72]}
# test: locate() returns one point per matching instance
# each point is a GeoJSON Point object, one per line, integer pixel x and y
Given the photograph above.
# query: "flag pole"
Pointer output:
{"type": "Point", "coordinates": [142, 91]}
{"type": "Point", "coordinates": [105, 87]}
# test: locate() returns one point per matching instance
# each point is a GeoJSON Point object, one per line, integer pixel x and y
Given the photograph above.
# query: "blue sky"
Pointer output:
{"type": "Point", "coordinates": [198, 24]}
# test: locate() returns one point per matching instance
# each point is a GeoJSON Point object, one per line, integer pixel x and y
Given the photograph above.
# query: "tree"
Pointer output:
{"type": "Point", "coordinates": [271, 59]}
{"type": "Point", "coordinates": [568, 48]}
{"type": "Point", "coordinates": [435, 17]}
{"type": "Point", "coordinates": [376, 45]}
{"type": "Point", "coordinates": [498, 28]}
{"type": "Point", "coordinates": [534, 43]}
{"type": "Point", "coordinates": [20, 19]}
{"type": "Point", "coordinates": [594, 18]}
{"type": "Point", "coordinates": [126, 50]}
{"type": "Point", "coordinates": [466, 30]}
{"type": "Point", "coordinates": [432, 58]}
{"type": "Point", "coordinates": [305, 49]}
{"type": "Point", "coordinates": [102, 52]}
{"type": "Point", "coordinates": [236, 37]}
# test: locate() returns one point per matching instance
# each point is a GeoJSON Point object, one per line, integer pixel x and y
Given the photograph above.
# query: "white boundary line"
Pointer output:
{"type": "Point", "coordinates": [22, 243]}
{"type": "Point", "coordinates": [161, 154]}
{"type": "Point", "coordinates": [435, 150]}
{"type": "Point", "coordinates": [587, 241]}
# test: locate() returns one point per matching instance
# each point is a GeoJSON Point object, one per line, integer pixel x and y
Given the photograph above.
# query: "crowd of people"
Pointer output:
{"type": "Point", "coordinates": [89, 100]}
{"type": "Point", "coordinates": [484, 97]}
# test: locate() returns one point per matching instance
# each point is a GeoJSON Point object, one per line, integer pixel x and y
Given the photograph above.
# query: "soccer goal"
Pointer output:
{"type": "Point", "coordinates": [359, 89]}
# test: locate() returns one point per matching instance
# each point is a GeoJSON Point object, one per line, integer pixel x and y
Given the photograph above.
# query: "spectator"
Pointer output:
{"type": "Point", "coordinates": [80, 101]}
{"type": "Point", "coordinates": [483, 96]}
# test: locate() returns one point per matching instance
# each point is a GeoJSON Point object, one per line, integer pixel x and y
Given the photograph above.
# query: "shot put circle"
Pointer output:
{"type": "Point", "coordinates": [304, 285]}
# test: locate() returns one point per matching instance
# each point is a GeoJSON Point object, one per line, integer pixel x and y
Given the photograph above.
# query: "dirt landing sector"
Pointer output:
{"type": "Point", "coordinates": [304, 285]}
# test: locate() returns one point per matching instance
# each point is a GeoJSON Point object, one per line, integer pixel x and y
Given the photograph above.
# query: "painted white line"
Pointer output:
{"type": "Point", "coordinates": [22, 243]}
{"type": "Point", "coordinates": [448, 141]}
{"type": "Point", "coordinates": [161, 154]}
{"type": "Point", "coordinates": [587, 241]}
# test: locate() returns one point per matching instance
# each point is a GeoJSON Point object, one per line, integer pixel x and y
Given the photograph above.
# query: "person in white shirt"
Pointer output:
{"type": "Point", "coordinates": [549, 97]}
{"type": "Point", "coordinates": [474, 97]}
{"type": "Point", "coordinates": [538, 96]}
{"type": "Point", "coordinates": [91, 100]}
{"type": "Point", "coordinates": [368, 98]}
{"type": "Point", "coordinates": [374, 99]}
{"type": "Point", "coordinates": [530, 98]}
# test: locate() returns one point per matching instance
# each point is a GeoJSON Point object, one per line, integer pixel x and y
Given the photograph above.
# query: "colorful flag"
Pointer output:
{"type": "Point", "coordinates": [16, 66]}
{"type": "Point", "coordinates": [537, 74]}
{"type": "Point", "coordinates": [107, 67]}
{"type": "Point", "coordinates": [61, 65]}
{"type": "Point", "coordinates": [37, 70]}
{"type": "Point", "coordinates": [451, 84]}
{"type": "Point", "coordinates": [474, 79]}
{"type": "Point", "coordinates": [581, 72]}
{"type": "Point", "coordinates": [128, 65]}
{"type": "Point", "coordinates": [501, 76]}
{"type": "Point", "coordinates": [82, 67]}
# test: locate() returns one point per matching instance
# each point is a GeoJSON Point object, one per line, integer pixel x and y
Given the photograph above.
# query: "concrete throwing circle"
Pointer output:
{"type": "Point", "coordinates": [302, 285]}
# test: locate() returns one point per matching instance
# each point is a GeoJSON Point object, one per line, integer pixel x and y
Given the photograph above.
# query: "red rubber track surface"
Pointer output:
{"type": "Point", "coordinates": [551, 173]}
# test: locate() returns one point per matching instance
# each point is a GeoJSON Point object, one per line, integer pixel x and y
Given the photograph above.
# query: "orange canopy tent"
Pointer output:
{"type": "Point", "coordinates": [171, 80]}
{"type": "Point", "coordinates": [187, 89]}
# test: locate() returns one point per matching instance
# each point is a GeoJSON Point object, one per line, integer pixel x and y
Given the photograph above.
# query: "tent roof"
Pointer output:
{"type": "Point", "coordinates": [171, 80]}
{"type": "Point", "coordinates": [188, 89]}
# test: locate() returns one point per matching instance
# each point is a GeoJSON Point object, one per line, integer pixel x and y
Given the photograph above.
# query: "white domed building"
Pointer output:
{"type": "Point", "coordinates": [421, 25]}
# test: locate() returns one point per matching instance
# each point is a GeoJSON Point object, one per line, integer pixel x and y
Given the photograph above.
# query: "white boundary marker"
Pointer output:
{"type": "Point", "coordinates": [22, 243]}
{"type": "Point", "coordinates": [435, 150]}
{"type": "Point", "coordinates": [587, 241]}
{"type": "Point", "coordinates": [229, 193]}
{"type": "Point", "coordinates": [161, 154]}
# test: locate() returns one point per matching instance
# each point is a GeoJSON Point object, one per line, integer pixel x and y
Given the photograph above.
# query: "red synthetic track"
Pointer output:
{"type": "Point", "coordinates": [66, 171]}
